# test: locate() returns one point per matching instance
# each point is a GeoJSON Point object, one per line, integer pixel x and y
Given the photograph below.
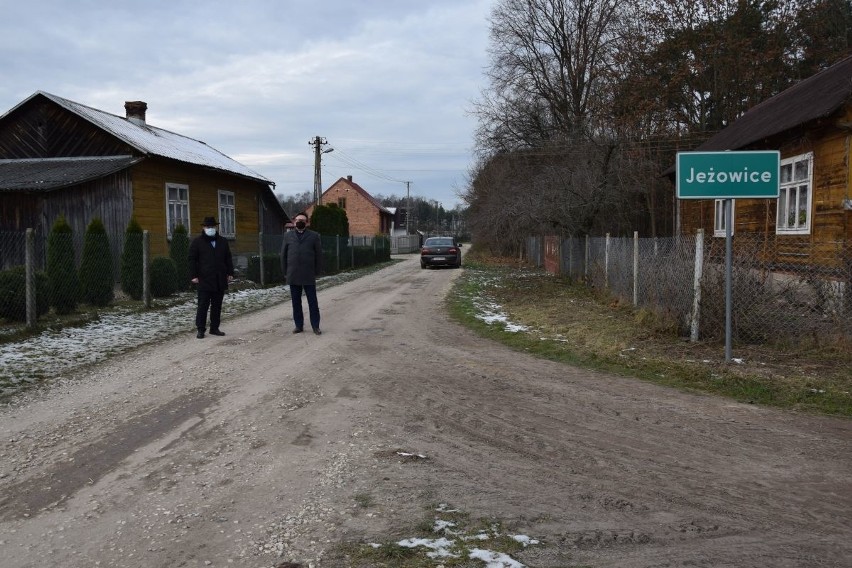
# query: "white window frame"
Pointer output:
{"type": "Point", "coordinates": [177, 207]}
{"type": "Point", "coordinates": [794, 182]}
{"type": "Point", "coordinates": [227, 214]}
{"type": "Point", "coordinates": [719, 217]}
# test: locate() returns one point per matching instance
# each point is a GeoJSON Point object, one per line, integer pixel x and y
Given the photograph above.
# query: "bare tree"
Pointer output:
{"type": "Point", "coordinates": [295, 204]}
{"type": "Point", "coordinates": [549, 63]}
{"type": "Point", "coordinates": [590, 100]}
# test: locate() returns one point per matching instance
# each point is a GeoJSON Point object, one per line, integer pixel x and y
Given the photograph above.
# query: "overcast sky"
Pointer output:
{"type": "Point", "coordinates": [388, 83]}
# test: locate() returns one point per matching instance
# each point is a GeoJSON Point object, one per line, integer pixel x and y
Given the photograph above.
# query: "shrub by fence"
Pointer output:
{"type": "Point", "coordinates": [179, 253]}
{"type": "Point", "coordinates": [271, 269]}
{"type": "Point", "coordinates": [131, 261]}
{"type": "Point", "coordinates": [13, 294]}
{"type": "Point", "coordinates": [163, 274]}
{"type": "Point", "coordinates": [781, 292]}
{"type": "Point", "coordinates": [97, 282]}
{"type": "Point", "coordinates": [61, 270]}
{"type": "Point", "coordinates": [164, 277]}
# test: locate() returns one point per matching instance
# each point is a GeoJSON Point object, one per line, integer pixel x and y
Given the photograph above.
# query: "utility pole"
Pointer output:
{"type": "Point", "coordinates": [407, 206]}
{"type": "Point", "coordinates": [318, 142]}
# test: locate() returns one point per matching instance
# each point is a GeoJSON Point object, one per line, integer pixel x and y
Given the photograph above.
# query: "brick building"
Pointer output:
{"type": "Point", "coordinates": [366, 216]}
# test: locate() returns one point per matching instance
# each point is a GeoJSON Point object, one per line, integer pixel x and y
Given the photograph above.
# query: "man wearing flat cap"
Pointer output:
{"type": "Point", "coordinates": [210, 269]}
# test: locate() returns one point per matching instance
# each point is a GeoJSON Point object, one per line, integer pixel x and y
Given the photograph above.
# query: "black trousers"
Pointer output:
{"type": "Point", "coordinates": [209, 301]}
{"type": "Point", "coordinates": [313, 305]}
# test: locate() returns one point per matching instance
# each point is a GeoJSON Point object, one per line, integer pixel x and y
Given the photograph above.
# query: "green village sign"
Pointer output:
{"type": "Point", "coordinates": [728, 175]}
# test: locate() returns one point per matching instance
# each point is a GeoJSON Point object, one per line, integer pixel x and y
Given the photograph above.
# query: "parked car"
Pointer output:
{"type": "Point", "coordinates": [440, 251]}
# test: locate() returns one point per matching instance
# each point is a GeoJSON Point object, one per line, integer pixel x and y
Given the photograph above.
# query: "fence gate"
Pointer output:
{"type": "Point", "coordinates": [551, 254]}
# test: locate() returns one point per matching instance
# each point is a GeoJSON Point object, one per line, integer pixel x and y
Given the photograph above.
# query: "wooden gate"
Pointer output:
{"type": "Point", "coordinates": [551, 254]}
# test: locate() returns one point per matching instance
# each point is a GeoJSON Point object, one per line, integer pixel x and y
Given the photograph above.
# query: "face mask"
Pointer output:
{"type": "Point", "coordinates": [210, 231]}
{"type": "Point", "coordinates": [300, 225]}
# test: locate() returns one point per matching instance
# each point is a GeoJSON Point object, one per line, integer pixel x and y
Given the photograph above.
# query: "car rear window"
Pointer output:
{"type": "Point", "coordinates": [438, 242]}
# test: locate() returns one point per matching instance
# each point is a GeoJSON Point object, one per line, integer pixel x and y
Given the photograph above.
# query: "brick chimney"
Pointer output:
{"type": "Point", "coordinates": [136, 112]}
{"type": "Point", "coordinates": [349, 178]}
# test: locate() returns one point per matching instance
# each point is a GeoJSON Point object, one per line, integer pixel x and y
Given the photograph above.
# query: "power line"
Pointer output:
{"type": "Point", "coordinates": [351, 161]}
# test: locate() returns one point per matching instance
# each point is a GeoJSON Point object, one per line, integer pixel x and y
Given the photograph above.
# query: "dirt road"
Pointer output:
{"type": "Point", "coordinates": [263, 447]}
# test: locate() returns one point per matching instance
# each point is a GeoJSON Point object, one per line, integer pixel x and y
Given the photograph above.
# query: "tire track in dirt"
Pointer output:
{"type": "Point", "coordinates": [91, 462]}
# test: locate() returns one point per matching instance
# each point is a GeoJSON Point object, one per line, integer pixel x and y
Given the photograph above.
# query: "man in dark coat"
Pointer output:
{"type": "Point", "coordinates": [301, 261]}
{"type": "Point", "coordinates": [210, 269]}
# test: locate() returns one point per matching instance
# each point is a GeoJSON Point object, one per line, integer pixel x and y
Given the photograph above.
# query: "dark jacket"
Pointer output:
{"type": "Point", "coordinates": [211, 265]}
{"type": "Point", "coordinates": [301, 257]}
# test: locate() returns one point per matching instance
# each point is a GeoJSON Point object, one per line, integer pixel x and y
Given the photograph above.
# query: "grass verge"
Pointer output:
{"type": "Point", "coordinates": [552, 317]}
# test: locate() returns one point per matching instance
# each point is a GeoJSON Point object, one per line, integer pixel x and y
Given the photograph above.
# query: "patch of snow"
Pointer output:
{"type": "Point", "coordinates": [440, 547]}
{"type": "Point", "coordinates": [443, 526]}
{"type": "Point", "coordinates": [491, 313]}
{"type": "Point", "coordinates": [52, 352]}
{"type": "Point", "coordinates": [409, 455]}
{"type": "Point", "coordinates": [494, 559]}
{"type": "Point", "coordinates": [524, 539]}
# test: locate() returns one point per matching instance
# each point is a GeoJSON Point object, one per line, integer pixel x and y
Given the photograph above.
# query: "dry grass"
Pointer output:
{"type": "Point", "coordinates": [583, 327]}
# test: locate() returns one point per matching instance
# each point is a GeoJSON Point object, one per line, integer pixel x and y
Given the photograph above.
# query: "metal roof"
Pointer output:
{"type": "Point", "coordinates": [46, 174]}
{"type": "Point", "coordinates": [155, 141]}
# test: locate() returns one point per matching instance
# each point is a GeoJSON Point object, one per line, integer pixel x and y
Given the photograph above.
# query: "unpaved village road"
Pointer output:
{"type": "Point", "coordinates": [263, 447]}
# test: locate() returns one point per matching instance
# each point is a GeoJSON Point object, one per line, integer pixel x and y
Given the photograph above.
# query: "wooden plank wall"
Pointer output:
{"type": "Point", "coordinates": [42, 129]}
{"type": "Point", "coordinates": [108, 198]}
{"type": "Point", "coordinates": [149, 201]}
{"type": "Point", "coordinates": [829, 220]}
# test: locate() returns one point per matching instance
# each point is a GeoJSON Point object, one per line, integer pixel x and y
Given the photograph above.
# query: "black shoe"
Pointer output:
{"type": "Point", "coordinates": [317, 331]}
{"type": "Point", "coordinates": [216, 332]}
{"type": "Point", "coordinates": [200, 334]}
{"type": "Point", "coordinates": [298, 330]}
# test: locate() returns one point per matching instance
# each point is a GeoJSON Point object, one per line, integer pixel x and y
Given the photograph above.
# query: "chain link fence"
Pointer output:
{"type": "Point", "coordinates": [64, 273]}
{"type": "Point", "coordinates": [780, 291]}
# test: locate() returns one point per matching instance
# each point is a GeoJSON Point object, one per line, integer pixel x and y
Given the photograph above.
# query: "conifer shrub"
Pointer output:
{"type": "Point", "coordinates": [330, 220]}
{"type": "Point", "coordinates": [271, 268]}
{"type": "Point", "coordinates": [164, 277]}
{"type": "Point", "coordinates": [13, 294]}
{"type": "Point", "coordinates": [179, 253]}
{"type": "Point", "coordinates": [97, 280]}
{"type": "Point", "coordinates": [131, 260]}
{"type": "Point", "coordinates": [61, 270]}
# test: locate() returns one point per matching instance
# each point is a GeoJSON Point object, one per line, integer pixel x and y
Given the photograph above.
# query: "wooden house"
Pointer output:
{"type": "Point", "coordinates": [810, 224]}
{"type": "Point", "coordinates": [367, 217]}
{"type": "Point", "coordinates": [59, 157]}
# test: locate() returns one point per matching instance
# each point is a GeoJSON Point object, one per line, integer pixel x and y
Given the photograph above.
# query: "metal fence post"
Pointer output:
{"type": "Point", "coordinates": [696, 285]}
{"type": "Point", "coordinates": [337, 251]}
{"type": "Point", "coordinates": [635, 268]}
{"type": "Point", "coordinates": [261, 259]}
{"type": "Point", "coordinates": [146, 269]}
{"type": "Point", "coordinates": [30, 279]}
{"type": "Point", "coordinates": [586, 267]}
{"type": "Point", "coordinates": [606, 262]}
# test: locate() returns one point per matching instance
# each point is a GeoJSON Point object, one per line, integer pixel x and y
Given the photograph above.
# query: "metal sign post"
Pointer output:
{"type": "Point", "coordinates": [729, 263]}
{"type": "Point", "coordinates": [728, 176]}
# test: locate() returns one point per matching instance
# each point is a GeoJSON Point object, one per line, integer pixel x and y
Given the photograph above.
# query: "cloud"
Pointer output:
{"type": "Point", "coordinates": [389, 83]}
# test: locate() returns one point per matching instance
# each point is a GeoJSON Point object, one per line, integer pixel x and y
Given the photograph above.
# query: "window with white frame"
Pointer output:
{"type": "Point", "coordinates": [227, 214]}
{"type": "Point", "coordinates": [796, 191]}
{"type": "Point", "coordinates": [177, 207]}
{"type": "Point", "coordinates": [719, 218]}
